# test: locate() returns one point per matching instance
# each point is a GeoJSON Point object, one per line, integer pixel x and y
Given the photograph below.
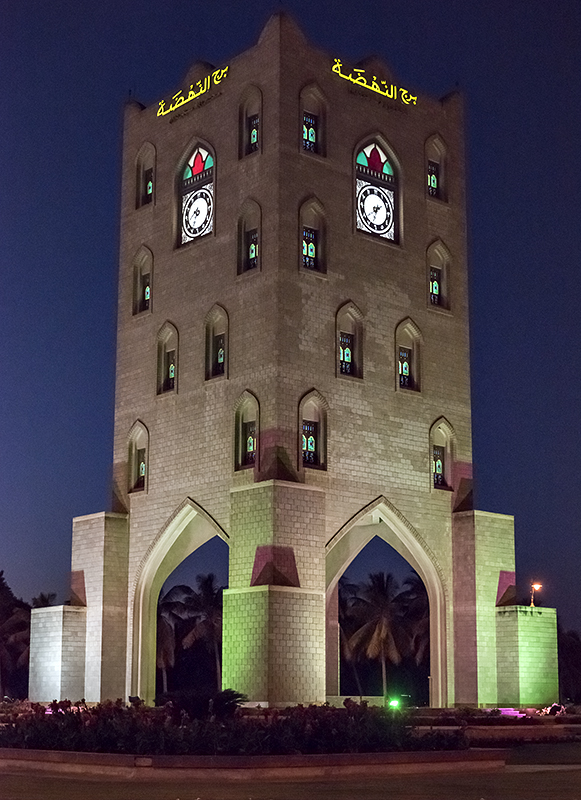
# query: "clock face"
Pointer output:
{"type": "Point", "coordinates": [197, 213]}
{"type": "Point", "coordinates": [375, 210]}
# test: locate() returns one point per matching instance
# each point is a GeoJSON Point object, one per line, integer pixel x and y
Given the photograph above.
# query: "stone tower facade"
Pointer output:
{"type": "Point", "coordinates": [292, 376]}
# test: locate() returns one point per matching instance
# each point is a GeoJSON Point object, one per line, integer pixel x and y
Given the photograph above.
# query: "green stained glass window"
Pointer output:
{"type": "Point", "coordinates": [310, 133]}
{"type": "Point", "coordinates": [435, 286]}
{"type": "Point", "coordinates": [219, 354]}
{"type": "Point", "coordinates": [249, 443]}
{"type": "Point", "coordinates": [405, 368]}
{"type": "Point", "coordinates": [253, 133]}
{"type": "Point", "coordinates": [251, 260]}
{"type": "Point", "coordinates": [145, 292]}
{"type": "Point", "coordinates": [147, 193]}
{"type": "Point", "coordinates": [438, 466]}
{"type": "Point", "coordinates": [310, 246]}
{"type": "Point", "coordinates": [346, 342]}
{"type": "Point", "coordinates": [310, 441]}
{"type": "Point", "coordinates": [433, 179]}
{"type": "Point", "coordinates": [169, 371]}
{"type": "Point", "coordinates": [140, 470]}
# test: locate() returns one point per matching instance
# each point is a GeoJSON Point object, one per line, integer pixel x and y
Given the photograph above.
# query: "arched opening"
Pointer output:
{"type": "Point", "coordinates": [189, 623]}
{"type": "Point", "coordinates": [381, 519]}
{"type": "Point", "coordinates": [189, 528]}
{"type": "Point", "coordinates": [384, 632]}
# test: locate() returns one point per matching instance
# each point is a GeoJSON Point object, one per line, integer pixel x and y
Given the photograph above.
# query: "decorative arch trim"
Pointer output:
{"type": "Point", "coordinates": [345, 545]}
{"type": "Point", "coordinates": [189, 527]}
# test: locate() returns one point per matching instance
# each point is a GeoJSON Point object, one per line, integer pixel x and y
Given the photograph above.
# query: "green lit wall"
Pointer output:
{"type": "Point", "coordinates": [527, 656]}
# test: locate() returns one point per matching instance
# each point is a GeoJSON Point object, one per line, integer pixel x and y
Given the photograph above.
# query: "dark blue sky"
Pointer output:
{"type": "Point", "coordinates": [65, 72]}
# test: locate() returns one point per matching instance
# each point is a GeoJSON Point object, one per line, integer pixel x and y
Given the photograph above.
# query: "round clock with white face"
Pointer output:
{"type": "Point", "coordinates": [197, 213]}
{"type": "Point", "coordinates": [375, 211]}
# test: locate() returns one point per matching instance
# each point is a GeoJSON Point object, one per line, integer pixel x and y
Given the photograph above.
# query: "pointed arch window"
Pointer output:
{"type": "Point", "coordinates": [376, 193]}
{"type": "Point", "coordinates": [442, 440]}
{"type": "Point", "coordinates": [349, 333]}
{"type": "Point", "coordinates": [197, 195]}
{"type": "Point", "coordinates": [138, 458]}
{"type": "Point", "coordinates": [436, 168]}
{"type": "Point", "coordinates": [144, 184]}
{"type": "Point", "coordinates": [142, 280]}
{"type": "Point", "coordinates": [312, 237]}
{"type": "Point", "coordinates": [438, 269]}
{"type": "Point", "coordinates": [249, 237]}
{"type": "Point", "coordinates": [246, 432]}
{"type": "Point", "coordinates": [313, 431]}
{"type": "Point", "coordinates": [250, 138]}
{"type": "Point", "coordinates": [407, 356]}
{"type": "Point", "coordinates": [216, 343]}
{"type": "Point", "coordinates": [313, 119]}
{"type": "Point", "coordinates": [167, 359]}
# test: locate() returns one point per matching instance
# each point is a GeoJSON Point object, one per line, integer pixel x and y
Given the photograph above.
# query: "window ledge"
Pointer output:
{"type": "Point", "coordinates": [438, 200]}
{"type": "Point", "coordinates": [440, 310]}
{"type": "Point", "coordinates": [316, 272]}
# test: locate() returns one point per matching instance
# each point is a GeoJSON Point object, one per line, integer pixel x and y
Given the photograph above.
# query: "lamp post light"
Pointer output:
{"type": "Point", "coordinates": [534, 588]}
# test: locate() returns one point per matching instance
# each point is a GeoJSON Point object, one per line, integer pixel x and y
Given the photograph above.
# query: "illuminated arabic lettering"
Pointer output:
{"type": "Point", "coordinates": [201, 87]}
{"type": "Point", "coordinates": [358, 77]}
{"type": "Point", "coordinates": [219, 74]}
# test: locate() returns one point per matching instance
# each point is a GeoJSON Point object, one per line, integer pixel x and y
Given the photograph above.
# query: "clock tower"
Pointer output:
{"type": "Point", "coordinates": [292, 377]}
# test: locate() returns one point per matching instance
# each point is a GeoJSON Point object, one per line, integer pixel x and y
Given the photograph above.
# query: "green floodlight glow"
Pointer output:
{"type": "Point", "coordinates": [394, 703]}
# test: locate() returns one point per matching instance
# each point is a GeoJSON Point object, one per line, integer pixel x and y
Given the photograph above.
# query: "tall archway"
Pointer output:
{"type": "Point", "coordinates": [381, 518]}
{"type": "Point", "coordinates": [187, 529]}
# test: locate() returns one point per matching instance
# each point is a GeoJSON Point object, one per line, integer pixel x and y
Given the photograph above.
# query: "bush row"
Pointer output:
{"type": "Point", "coordinates": [116, 728]}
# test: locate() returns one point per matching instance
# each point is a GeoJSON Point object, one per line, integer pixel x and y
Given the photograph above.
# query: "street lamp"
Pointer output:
{"type": "Point", "coordinates": [534, 588]}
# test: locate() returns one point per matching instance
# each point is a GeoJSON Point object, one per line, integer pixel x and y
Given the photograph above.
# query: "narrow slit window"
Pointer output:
{"type": "Point", "coordinates": [251, 249]}
{"type": "Point", "coordinates": [253, 133]}
{"type": "Point", "coordinates": [248, 443]}
{"type": "Point", "coordinates": [169, 371]}
{"type": "Point", "coordinates": [140, 470]}
{"type": "Point", "coordinates": [433, 178]}
{"type": "Point", "coordinates": [405, 368]}
{"type": "Point", "coordinates": [219, 353]}
{"type": "Point", "coordinates": [346, 350]}
{"type": "Point", "coordinates": [311, 446]}
{"type": "Point", "coordinates": [310, 133]}
{"type": "Point", "coordinates": [439, 466]}
{"type": "Point", "coordinates": [145, 292]}
{"type": "Point", "coordinates": [435, 286]}
{"type": "Point", "coordinates": [310, 255]}
{"type": "Point", "coordinates": [147, 187]}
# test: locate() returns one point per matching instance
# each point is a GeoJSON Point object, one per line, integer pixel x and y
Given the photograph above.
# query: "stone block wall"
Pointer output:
{"type": "Point", "coordinates": [57, 654]}
{"type": "Point", "coordinates": [100, 548]}
{"type": "Point", "coordinates": [527, 657]}
{"type": "Point", "coordinates": [274, 644]}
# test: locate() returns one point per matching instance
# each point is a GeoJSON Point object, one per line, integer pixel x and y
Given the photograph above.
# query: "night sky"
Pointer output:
{"type": "Point", "coordinates": [66, 69]}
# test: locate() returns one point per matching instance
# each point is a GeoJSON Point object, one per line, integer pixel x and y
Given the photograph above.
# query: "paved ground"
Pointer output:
{"type": "Point", "coordinates": [557, 784]}
{"type": "Point", "coordinates": [559, 778]}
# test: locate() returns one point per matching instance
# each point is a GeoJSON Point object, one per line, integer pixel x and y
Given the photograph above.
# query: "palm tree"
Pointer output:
{"type": "Point", "coordinates": [171, 608]}
{"type": "Point", "coordinates": [347, 624]}
{"type": "Point", "coordinates": [206, 609]}
{"type": "Point", "coordinates": [416, 617]}
{"type": "Point", "coordinates": [378, 612]}
{"type": "Point", "coordinates": [44, 600]}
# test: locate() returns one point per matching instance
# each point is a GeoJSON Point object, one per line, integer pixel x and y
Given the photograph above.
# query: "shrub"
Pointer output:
{"type": "Point", "coordinates": [115, 728]}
